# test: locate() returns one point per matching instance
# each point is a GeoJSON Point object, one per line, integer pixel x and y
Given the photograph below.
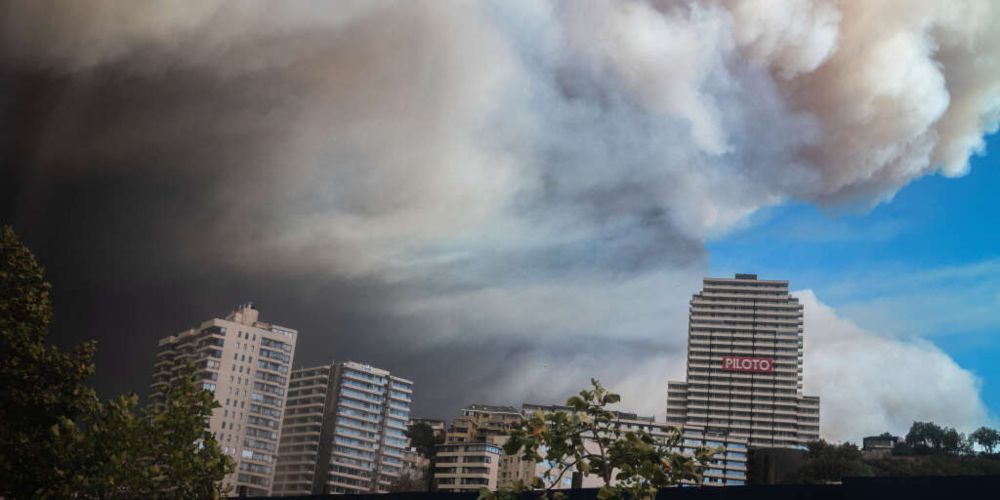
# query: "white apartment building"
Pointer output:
{"type": "Point", "coordinates": [744, 365]}
{"type": "Point", "coordinates": [345, 430]}
{"type": "Point", "coordinates": [245, 363]}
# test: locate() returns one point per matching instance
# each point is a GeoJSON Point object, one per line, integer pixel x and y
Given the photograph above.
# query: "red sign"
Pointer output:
{"type": "Point", "coordinates": [755, 365]}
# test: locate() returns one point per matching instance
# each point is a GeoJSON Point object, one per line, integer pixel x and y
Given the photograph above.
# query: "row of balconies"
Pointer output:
{"type": "Point", "coordinates": [757, 419]}
{"type": "Point", "coordinates": [721, 339]}
{"type": "Point", "coordinates": [711, 296]}
{"type": "Point", "coordinates": [721, 309]}
{"type": "Point", "coordinates": [715, 317]}
{"type": "Point", "coordinates": [748, 325]}
{"type": "Point", "coordinates": [743, 408]}
{"type": "Point", "coordinates": [792, 344]}
{"type": "Point", "coordinates": [697, 392]}
{"type": "Point", "coordinates": [720, 383]}
{"type": "Point", "coordinates": [697, 350]}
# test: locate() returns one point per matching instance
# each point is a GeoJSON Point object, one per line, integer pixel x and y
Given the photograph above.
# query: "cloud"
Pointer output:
{"type": "Point", "coordinates": [871, 384]}
{"type": "Point", "coordinates": [464, 187]}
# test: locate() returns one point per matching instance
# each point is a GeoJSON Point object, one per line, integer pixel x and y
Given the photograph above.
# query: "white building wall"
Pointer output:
{"type": "Point", "coordinates": [744, 365]}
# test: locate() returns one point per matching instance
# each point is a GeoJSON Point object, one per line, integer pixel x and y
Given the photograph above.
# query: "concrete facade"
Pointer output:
{"type": "Point", "coordinates": [744, 365]}
{"type": "Point", "coordinates": [468, 467]}
{"type": "Point", "coordinates": [345, 431]}
{"type": "Point", "coordinates": [471, 455]}
{"type": "Point", "coordinates": [245, 362]}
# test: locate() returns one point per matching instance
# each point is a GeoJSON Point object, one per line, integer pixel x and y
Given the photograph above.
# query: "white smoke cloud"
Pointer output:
{"type": "Point", "coordinates": [870, 384]}
{"type": "Point", "coordinates": [517, 170]}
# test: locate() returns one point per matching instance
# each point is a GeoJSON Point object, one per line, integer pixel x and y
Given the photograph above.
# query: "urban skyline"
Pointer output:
{"type": "Point", "coordinates": [523, 193]}
{"type": "Point", "coordinates": [717, 292]}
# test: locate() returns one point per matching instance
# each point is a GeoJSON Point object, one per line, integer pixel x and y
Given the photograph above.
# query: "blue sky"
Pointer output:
{"type": "Point", "coordinates": [924, 264]}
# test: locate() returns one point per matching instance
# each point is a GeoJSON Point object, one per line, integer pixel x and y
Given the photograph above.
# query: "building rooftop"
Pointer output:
{"type": "Point", "coordinates": [491, 408]}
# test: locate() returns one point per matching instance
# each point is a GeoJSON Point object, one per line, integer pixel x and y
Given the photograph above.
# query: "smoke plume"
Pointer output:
{"type": "Point", "coordinates": [497, 199]}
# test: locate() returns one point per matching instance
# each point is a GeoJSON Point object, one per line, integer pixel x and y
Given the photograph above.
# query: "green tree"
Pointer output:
{"type": "Point", "coordinates": [928, 437]}
{"type": "Point", "coordinates": [121, 451]}
{"type": "Point", "coordinates": [57, 440]}
{"type": "Point", "coordinates": [829, 463]}
{"type": "Point", "coordinates": [424, 440]}
{"type": "Point", "coordinates": [40, 386]}
{"type": "Point", "coordinates": [986, 437]}
{"type": "Point", "coordinates": [588, 440]}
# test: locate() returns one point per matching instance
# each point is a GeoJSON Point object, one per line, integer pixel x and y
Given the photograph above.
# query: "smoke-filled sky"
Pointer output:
{"type": "Point", "coordinates": [498, 200]}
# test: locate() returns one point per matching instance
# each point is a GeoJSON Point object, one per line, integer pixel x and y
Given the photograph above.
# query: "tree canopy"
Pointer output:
{"type": "Point", "coordinates": [986, 437]}
{"type": "Point", "coordinates": [587, 439]}
{"type": "Point", "coordinates": [829, 463]}
{"type": "Point", "coordinates": [425, 441]}
{"type": "Point", "coordinates": [40, 386]}
{"type": "Point", "coordinates": [59, 440]}
{"type": "Point", "coordinates": [928, 437]}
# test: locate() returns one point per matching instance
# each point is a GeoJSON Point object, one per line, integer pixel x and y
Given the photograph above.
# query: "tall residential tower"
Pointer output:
{"type": "Point", "coordinates": [245, 363]}
{"type": "Point", "coordinates": [344, 430]}
{"type": "Point", "coordinates": [744, 365]}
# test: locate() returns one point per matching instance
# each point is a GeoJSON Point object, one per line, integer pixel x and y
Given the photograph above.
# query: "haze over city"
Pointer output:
{"type": "Point", "coordinates": [501, 200]}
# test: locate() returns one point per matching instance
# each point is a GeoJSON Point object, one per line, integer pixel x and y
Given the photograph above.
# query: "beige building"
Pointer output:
{"type": "Point", "coordinates": [471, 455]}
{"type": "Point", "coordinates": [468, 467]}
{"type": "Point", "coordinates": [478, 423]}
{"type": "Point", "coordinates": [345, 430]}
{"type": "Point", "coordinates": [744, 365]}
{"type": "Point", "coordinates": [245, 362]}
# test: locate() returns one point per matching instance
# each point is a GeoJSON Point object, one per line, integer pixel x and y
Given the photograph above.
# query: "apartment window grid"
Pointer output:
{"type": "Point", "coordinates": [227, 355]}
{"type": "Point", "coordinates": [358, 439]}
{"type": "Point", "coordinates": [744, 317]}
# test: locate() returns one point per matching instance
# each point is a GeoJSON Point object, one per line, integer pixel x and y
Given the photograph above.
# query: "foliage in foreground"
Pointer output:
{"type": "Point", "coordinates": [58, 440]}
{"type": "Point", "coordinates": [588, 440]}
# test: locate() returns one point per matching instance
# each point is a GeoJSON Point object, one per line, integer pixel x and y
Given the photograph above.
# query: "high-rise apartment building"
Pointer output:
{"type": "Point", "coordinates": [344, 430]}
{"type": "Point", "coordinates": [744, 365]}
{"type": "Point", "coordinates": [245, 363]}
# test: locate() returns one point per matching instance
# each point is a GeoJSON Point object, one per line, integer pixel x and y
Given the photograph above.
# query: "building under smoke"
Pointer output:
{"type": "Point", "coordinates": [744, 365]}
{"type": "Point", "coordinates": [344, 430]}
{"type": "Point", "coordinates": [244, 362]}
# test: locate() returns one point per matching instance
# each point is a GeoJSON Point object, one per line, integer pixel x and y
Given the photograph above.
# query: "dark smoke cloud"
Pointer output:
{"type": "Point", "coordinates": [498, 200]}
